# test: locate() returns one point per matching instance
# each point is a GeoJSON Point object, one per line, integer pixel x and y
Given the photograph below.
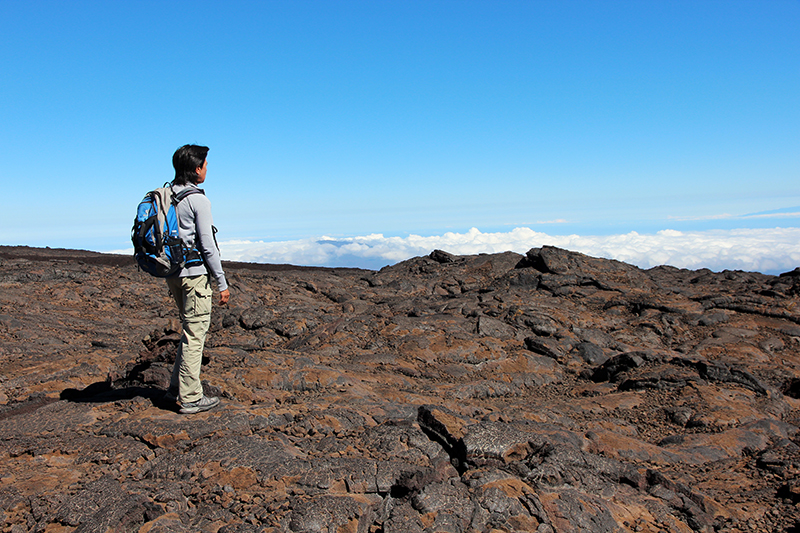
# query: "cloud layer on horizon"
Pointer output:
{"type": "Point", "coordinates": [764, 250]}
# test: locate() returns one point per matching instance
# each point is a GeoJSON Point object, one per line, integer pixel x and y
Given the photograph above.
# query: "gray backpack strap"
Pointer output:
{"type": "Point", "coordinates": [177, 198]}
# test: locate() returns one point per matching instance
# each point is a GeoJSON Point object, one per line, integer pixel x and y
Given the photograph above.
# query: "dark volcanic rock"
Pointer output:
{"type": "Point", "coordinates": [548, 392]}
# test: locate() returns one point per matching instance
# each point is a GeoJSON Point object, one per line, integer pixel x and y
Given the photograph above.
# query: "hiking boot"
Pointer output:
{"type": "Point", "coordinates": [203, 404]}
{"type": "Point", "coordinates": [171, 395]}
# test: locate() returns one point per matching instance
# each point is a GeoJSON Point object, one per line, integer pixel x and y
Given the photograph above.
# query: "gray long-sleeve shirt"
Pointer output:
{"type": "Point", "coordinates": [195, 228]}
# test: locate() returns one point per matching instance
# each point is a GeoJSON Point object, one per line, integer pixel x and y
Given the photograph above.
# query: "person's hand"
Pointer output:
{"type": "Point", "coordinates": [224, 296]}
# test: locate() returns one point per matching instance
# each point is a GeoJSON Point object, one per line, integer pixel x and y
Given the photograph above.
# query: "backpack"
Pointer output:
{"type": "Point", "coordinates": [157, 247]}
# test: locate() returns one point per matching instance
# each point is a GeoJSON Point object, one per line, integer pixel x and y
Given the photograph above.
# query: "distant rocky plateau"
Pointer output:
{"type": "Point", "coordinates": [549, 392]}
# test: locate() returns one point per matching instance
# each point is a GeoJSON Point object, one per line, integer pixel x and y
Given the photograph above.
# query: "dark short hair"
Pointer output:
{"type": "Point", "coordinates": [186, 159]}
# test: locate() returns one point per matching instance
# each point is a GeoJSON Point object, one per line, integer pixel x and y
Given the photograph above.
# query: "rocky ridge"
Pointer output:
{"type": "Point", "coordinates": [549, 392]}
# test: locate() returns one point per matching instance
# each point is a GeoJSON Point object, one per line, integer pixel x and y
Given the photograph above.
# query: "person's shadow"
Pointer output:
{"type": "Point", "coordinates": [147, 377]}
{"type": "Point", "coordinates": [107, 392]}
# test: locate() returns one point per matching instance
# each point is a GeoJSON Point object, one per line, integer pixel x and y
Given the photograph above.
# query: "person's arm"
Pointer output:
{"type": "Point", "coordinates": [206, 244]}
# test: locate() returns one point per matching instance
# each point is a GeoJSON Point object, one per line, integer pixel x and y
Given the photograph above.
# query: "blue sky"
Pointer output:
{"type": "Point", "coordinates": [383, 121]}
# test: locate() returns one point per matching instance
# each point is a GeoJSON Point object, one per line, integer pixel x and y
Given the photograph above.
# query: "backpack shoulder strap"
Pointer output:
{"type": "Point", "coordinates": [176, 198]}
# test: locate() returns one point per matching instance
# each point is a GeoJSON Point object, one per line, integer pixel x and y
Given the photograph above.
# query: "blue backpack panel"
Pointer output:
{"type": "Point", "coordinates": [157, 246]}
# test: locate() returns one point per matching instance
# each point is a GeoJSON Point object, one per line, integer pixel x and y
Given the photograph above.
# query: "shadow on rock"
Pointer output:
{"type": "Point", "coordinates": [104, 391]}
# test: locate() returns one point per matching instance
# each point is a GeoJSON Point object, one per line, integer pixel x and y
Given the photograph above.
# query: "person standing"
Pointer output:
{"type": "Point", "coordinates": [191, 286]}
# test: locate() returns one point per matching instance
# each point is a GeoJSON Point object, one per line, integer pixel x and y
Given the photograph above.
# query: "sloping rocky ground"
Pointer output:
{"type": "Point", "coordinates": [551, 392]}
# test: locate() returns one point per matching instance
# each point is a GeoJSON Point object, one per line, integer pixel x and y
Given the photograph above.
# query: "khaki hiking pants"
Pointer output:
{"type": "Point", "coordinates": [193, 296]}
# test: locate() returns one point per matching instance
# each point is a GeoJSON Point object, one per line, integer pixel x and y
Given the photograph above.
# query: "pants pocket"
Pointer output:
{"type": "Point", "coordinates": [198, 297]}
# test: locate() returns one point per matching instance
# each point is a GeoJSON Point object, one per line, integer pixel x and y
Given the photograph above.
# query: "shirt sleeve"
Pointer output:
{"type": "Point", "coordinates": [205, 240]}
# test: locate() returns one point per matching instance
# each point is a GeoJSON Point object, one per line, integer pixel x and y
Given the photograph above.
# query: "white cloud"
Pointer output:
{"type": "Point", "coordinates": [724, 216]}
{"type": "Point", "coordinates": [773, 215]}
{"type": "Point", "coordinates": [764, 250]}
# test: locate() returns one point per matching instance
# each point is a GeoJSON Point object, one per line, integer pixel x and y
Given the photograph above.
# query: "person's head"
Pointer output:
{"type": "Point", "coordinates": [188, 161]}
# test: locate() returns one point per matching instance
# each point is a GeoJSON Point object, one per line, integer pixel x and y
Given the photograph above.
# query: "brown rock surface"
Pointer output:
{"type": "Point", "coordinates": [550, 392]}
